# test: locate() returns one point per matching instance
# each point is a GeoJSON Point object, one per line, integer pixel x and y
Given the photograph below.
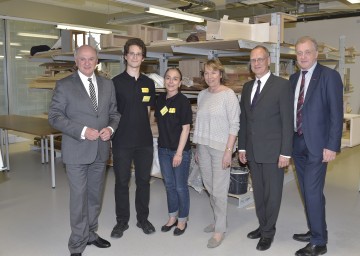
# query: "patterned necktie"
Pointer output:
{"type": "Point", "coordinates": [256, 95]}
{"type": "Point", "coordinates": [92, 94]}
{"type": "Point", "coordinates": [300, 104]}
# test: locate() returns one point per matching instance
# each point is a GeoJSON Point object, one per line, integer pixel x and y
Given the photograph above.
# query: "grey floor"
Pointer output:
{"type": "Point", "coordinates": [34, 218]}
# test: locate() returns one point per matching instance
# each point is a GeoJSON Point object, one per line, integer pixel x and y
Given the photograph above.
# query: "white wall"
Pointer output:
{"type": "Point", "coordinates": [329, 31]}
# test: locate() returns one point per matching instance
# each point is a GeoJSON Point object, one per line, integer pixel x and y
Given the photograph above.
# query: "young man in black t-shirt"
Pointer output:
{"type": "Point", "coordinates": [133, 141]}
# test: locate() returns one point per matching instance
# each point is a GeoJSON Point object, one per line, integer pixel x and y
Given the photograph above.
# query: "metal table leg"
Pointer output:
{"type": "Point", "coordinates": [42, 150]}
{"type": "Point", "coordinates": [46, 150]}
{"type": "Point", "coordinates": [7, 150]}
{"type": "Point", "coordinates": [52, 159]}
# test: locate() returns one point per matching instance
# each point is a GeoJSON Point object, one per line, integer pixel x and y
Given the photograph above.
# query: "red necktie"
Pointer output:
{"type": "Point", "coordinates": [300, 104]}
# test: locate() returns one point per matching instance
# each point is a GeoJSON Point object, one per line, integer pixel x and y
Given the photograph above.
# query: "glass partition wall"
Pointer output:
{"type": "Point", "coordinates": [3, 88]}
{"type": "Point", "coordinates": [17, 70]}
{"type": "Point", "coordinates": [22, 36]}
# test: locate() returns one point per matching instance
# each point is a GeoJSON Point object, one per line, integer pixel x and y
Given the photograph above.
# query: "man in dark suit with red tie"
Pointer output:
{"type": "Point", "coordinates": [265, 141]}
{"type": "Point", "coordinates": [318, 128]}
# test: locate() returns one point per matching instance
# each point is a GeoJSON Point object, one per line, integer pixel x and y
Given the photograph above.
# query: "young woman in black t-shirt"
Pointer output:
{"type": "Point", "coordinates": [174, 117]}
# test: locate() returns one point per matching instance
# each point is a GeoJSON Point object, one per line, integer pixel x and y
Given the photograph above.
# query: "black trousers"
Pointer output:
{"type": "Point", "coordinates": [143, 158]}
{"type": "Point", "coordinates": [267, 181]}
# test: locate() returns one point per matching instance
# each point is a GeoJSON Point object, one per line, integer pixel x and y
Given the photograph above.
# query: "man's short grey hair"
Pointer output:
{"type": "Point", "coordinates": [305, 39]}
{"type": "Point", "coordinates": [76, 51]}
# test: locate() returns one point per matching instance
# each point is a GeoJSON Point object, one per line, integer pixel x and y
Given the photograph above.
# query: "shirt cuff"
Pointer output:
{"type": "Point", "coordinates": [112, 130]}
{"type": "Point", "coordinates": [83, 133]}
{"type": "Point", "coordinates": [286, 156]}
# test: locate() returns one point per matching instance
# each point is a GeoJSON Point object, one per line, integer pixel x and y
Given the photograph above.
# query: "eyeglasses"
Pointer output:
{"type": "Point", "coordinates": [133, 54]}
{"type": "Point", "coordinates": [258, 60]}
{"type": "Point", "coordinates": [306, 53]}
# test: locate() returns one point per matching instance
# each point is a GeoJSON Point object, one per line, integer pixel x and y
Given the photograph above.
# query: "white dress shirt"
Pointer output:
{"type": "Point", "coordinates": [263, 80]}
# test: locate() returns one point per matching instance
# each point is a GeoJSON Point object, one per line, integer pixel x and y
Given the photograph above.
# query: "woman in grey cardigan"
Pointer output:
{"type": "Point", "coordinates": [217, 125]}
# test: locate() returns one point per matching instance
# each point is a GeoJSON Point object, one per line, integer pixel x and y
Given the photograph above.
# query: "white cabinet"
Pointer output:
{"type": "Point", "coordinates": [351, 136]}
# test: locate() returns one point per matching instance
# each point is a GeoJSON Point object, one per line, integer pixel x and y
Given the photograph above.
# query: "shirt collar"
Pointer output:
{"type": "Point", "coordinates": [126, 74]}
{"type": "Point", "coordinates": [310, 70]}
{"type": "Point", "coordinates": [264, 78]}
{"type": "Point", "coordinates": [85, 78]}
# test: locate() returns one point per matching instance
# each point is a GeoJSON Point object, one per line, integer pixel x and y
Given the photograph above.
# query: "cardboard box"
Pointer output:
{"type": "Point", "coordinates": [147, 33]}
{"type": "Point", "coordinates": [113, 40]}
{"type": "Point", "coordinates": [275, 34]}
{"type": "Point", "coordinates": [191, 68]}
{"type": "Point", "coordinates": [231, 29]}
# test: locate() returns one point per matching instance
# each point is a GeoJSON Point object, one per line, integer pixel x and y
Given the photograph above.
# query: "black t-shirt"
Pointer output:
{"type": "Point", "coordinates": [172, 114]}
{"type": "Point", "coordinates": [133, 97]}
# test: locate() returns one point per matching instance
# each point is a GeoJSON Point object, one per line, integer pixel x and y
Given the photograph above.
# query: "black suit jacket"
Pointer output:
{"type": "Point", "coordinates": [266, 131]}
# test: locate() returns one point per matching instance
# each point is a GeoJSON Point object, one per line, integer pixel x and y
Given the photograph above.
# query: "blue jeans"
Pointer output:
{"type": "Point", "coordinates": [176, 179]}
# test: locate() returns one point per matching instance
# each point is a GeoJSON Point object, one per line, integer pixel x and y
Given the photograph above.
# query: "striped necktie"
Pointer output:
{"type": "Point", "coordinates": [93, 94]}
{"type": "Point", "coordinates": [300, 104]}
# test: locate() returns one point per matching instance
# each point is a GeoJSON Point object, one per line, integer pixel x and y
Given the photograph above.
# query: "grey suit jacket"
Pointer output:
{"type": "Point", "coordinates": [71, 109]}
{"type": "Point", "coordinates": [266, 131]}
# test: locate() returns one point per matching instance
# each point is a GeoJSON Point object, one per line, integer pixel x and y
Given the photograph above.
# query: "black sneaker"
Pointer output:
{"type": "Point", "coordinates": [146, 226]}
{"type": "Point", "coordinates": [119, 229]}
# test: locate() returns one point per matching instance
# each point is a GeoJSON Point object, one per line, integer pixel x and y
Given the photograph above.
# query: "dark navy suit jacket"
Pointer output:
{"type": "Point", "coordinates": [323, 110]}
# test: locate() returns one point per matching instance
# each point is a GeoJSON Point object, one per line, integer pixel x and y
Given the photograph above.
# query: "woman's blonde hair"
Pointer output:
{"type": "Point", "coordinates": [215, 64]}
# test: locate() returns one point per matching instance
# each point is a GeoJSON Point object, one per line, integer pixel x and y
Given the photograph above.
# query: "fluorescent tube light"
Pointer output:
{"type": "Point", "coordinates": [354, 1]}
{"type": "Point", "coordinates": [85, 29]}
{"type": "Point", "coordinates": [174, 14]}
{"type": "Point", "coordinates": [38, 35]}
{"type": "Point", "coordinates": [12, 44]}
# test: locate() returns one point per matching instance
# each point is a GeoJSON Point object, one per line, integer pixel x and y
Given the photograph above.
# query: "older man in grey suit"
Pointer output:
{"type": "Point", "coordinates": [84, 109]}
{"type": "Point", "coordinates": [265, 140]}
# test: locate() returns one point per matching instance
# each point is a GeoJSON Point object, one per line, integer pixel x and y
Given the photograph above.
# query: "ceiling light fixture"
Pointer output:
{"type": "Point", "coordinates": [12, 44]}
{"type": "Point", "coordinates": [354, 1]}
{"type": "Point", "coordinates": [166, 11]}
{"type": "Point", "coordinates": [83, 28]}
{"type": "Point", "coordinates": [38, 35]}
{"type": "Point", "coordinates": [174, 14]}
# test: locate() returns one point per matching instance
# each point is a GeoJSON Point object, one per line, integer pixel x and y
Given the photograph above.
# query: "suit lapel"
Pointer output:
{"type": "Point", "coordinates": [248, 94]}
{"type": "Point", "coordinates": [313, 82]}
{"type": "Point", "coordinates": [100, 92]}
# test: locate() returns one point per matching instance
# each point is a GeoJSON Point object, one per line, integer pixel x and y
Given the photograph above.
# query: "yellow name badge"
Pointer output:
{"type": "Point", "coordinates": [144, 90]}
{"type": "Point", "coordinates": [146, 98]}
{"type": "Point", "coordinates": [172, 110]}
{"type": "Point", "coordinates": [164, 110]}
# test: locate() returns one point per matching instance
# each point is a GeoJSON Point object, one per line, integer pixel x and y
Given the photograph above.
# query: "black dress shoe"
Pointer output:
{"type": "Point", "coordinates": [146, 226]}
{"type": "Point", "coordinates": [264, 243]}
{"type": "Point", "coordinates": [75, 254]}
{"type": "Point", "coordinates": [119, 229]}
{"type": "Point", "coordinates": [302, 237]}
{"type": "Point", "coordinates": [178, 231]}
{"type": "Point", "coordinates": [254, 234]}
{"type": "Point", "coordinates": [312, 250]}
{"type": "Point", "coordinates": [99, 242]}
{"type": "Point", "coordinates": [168, 228]}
